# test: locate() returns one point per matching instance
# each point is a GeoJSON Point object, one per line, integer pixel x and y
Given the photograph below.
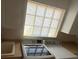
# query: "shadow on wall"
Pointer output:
{"type": "Point", "coordinates": [67, 37]}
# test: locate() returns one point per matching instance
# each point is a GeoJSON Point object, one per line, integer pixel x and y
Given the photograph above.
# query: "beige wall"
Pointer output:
{"type": "Point", "coordinates": [74, 29]}
{"type": "Point", "coordinates": [72, 36]}
{"type": "Point", "coordinates": [69, 29]}
{"type": "Point", "coordinates": [57, 3]}
{"type": "Point", "coordinates": [13, 17]}
{"type": "Point", "coordinates": [70, 17]}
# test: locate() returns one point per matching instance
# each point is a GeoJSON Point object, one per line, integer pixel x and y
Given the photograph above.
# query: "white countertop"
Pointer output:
{"type": "Point", "coordinates": [60, 52]}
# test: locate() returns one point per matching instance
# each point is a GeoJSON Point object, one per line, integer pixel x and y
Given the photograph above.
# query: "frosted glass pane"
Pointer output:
{"type": "Point", "coordinates": [54, 23]}
{"type": "Point", "coordinates": [29, 20]}
{"type": "Point", "coordinates": [52, 32]}
{"type": "Point", "coordinates": [41, 20]}
{"type": "Point", "coordinates": [57, 13]}
{"type": "Point", "coordinates": [40, 11]}
{"type": "Point", "coordinates": [49, 12]}
{"type": "Point", "coordinates": [31, 8]}
{"type": "Point", "coordinates": [38, 21]}
{"type": "Point", "coordinates": [28, 30]}
{"type": "Point", "coordinates": [47, 22]}
{"type": "Point", "coordinates": [44, 32]}
{"type": "Point", "coordinates": [36, 31]}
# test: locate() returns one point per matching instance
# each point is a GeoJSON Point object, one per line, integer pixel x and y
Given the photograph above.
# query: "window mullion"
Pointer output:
{"type": "Point", "coordinates": [59, 21]}
{"type": "Point", "coordinates": [51, 20]}
{"type": "Point", "coordinates": [43, 21]}
{"type": "Point", "coordinates": [35, 15]}
{"type": "Point", "coordinates": [34, 20]}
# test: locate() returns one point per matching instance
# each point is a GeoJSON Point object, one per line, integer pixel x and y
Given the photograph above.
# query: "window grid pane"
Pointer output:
{"type": "Point", "coordinates": [31, 8]}
{"type": "Point", "coordinates": [28, 30]}
{"type": "Point", "coordinates": [52, 32]}
{"type": "Point", "coordinates": [44, 32]}
{"type": "Point", "coordinates": [38, 21]}
{"type": "Point", "coordinates": [57, 13]}
{"type": "Point", "coordinates": [36, 31]}
{"type": "Point", "coordinates": [49, 12]}
{"type": "Point", "coordinates": [29, 20]}
{"type": "Point", "coordinates": [47, 22]}
{"type": "Point", "coordinates": [54, 23]}
{"type": "Point", "coordinates": [40, 10]}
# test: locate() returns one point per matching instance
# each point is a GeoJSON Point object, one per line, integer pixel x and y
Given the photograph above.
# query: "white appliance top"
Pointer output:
{"type": "Point", "coordinates": [60, 52]}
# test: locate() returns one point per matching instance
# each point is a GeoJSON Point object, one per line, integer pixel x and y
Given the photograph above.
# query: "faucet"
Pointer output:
{"type": "Point", "coordinates": [40, 41]}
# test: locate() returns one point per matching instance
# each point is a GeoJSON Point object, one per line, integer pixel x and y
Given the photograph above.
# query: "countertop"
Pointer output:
{"type": "Point", "coordinates": [60, 52]}
{"type": "Point", "coordinates": [18, 53]}
{"type": "Point", "coordinates": [73, 47]}
{"type": "Point", "coordinates": [63, 51]}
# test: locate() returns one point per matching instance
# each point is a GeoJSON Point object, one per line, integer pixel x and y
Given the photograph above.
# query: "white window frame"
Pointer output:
{"type": "Point", "coordinates": [59, 23]}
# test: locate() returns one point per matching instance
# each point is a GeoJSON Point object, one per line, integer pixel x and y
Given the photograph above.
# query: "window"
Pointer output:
{"type": "Point", "coordinates": [42, 20]}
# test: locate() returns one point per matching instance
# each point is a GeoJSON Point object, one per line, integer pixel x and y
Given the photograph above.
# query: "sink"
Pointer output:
{"type": "Point", "coordinates": [7, 48]}
{"type": "Point", "coordinates": [36, 51]}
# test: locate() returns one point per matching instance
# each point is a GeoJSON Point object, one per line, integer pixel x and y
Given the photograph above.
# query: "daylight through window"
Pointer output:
{"type": "Point", "coordinates": [42, 20]}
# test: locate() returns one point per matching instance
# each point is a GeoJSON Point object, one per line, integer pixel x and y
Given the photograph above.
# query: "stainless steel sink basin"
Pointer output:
{"type": "Point", "coordinates": [36, 51]}
{"type": "Point", "coordinates": [7, 48]}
